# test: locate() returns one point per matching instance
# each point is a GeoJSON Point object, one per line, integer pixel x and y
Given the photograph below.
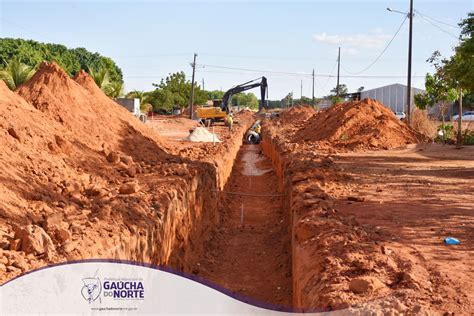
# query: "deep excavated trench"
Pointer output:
{"type": "Point", "coordinates": [249, 252]}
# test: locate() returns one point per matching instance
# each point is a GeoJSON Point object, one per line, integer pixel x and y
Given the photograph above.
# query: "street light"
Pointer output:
{"type": "Point", "coordinates": [396, 11]}
{"type": "Point", "coordinates": [410, 44]}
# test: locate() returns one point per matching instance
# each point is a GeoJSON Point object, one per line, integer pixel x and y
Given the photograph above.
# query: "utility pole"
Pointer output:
{"type": "Point", "coordinates": [202, 84]}
{"type": "Point", "coordinates": [338, 71]}
{"type": "Point", "coordinates": [410, 41]}
{"type": "Point", "coordinates": [459, 136]}
{"type": "Point", "coordinates": [301, 88]}
{"type": "Point", "coordinates": [312, 101]}
{"type": "Point", "coordinates": [191, 101]}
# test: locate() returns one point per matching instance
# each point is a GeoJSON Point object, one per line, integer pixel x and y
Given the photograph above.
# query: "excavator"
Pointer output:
{"type": "Point", "coordinates": [218, 112]}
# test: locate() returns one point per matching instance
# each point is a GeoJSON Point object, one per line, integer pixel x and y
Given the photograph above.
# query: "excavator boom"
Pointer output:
{"type": "Point", "coordinates": [243, 87]}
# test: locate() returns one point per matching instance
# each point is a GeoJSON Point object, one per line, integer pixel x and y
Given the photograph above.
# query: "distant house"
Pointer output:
{"type": "Point", "coordinates": [393, 96]}
{"type": "Point", "coordinates": [133, 105]}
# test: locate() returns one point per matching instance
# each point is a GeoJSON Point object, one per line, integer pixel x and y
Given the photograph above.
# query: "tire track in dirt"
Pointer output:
{"type": "Point", "coordinates": [253, 260]}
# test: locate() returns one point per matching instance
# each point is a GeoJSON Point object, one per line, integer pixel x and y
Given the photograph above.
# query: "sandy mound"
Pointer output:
{"type": "Point", "coordinates": [358, 125]}
{"type": "Point", "coordinates": [202, 135]}
{"type": "Point", "coordinates": [67, 159]}
{"type": "Point", "coordinates": [84, 109]}
{"type": "Point", "coordinates": [297, 114]}
{"type": "Point", "coordinates": [293, 119]}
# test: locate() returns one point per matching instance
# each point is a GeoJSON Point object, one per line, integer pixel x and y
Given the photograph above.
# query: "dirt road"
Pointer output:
{"type": "Point", "coordinates": [416, 198]}
{"type": "Point", "coordinates": [252, 259]}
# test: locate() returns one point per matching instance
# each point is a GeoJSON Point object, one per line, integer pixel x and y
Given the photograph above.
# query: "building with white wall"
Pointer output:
{"type": "Point", "coordinates": [393, 96]}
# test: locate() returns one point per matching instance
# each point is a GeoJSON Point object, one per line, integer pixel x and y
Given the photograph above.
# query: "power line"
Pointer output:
{"type": "Point", "coordinates": [381, 54]}
{"type": "Point", "coordinates": [329, 78]}
{"type": "Point", "coordinates": [438, 27]}
{"type": "Point", "coordinates": [257, 57]}
{"type": "Point", "coordinates": [244, 73]}
{"type": "Point", "coordinates": [438, 21]}
{"type": "Point", "coordinates": [154, 55]}
{"type": "Point", "coordinates": [26, 29]}
{"type": "Point", "coordinates": [263, 71]}
{"type": "Point", "coordinates": [255, 70]}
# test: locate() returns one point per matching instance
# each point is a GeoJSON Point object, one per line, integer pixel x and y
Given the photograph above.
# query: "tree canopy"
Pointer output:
{"type": "Point", "coordinates": [461, 65]}
{"type": "Point", "coordinates": [245, 99]}
{"type": "Point", "coordinates": [174, 91]}
{"type": "Point", "coordinates": [453, 74]}
{"type": "Point", "coordinates": [32, 53]}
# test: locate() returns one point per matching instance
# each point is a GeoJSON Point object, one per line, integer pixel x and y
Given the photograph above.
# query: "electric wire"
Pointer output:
{"type": "Point", "coordinates": [331, 72]}
{"type": "Point", "coordinates": [381, 54]}
{"type": "Point", "coordinates": [438, 27]}
{"type": "Point", "coordinates": [437, 21]}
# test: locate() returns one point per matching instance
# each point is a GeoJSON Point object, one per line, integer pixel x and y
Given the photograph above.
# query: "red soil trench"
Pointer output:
{"type": "Point", "coordinates": [254, 259]}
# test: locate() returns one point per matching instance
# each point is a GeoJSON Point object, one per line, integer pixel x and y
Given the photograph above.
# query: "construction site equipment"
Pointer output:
{"type": "Point", "coordinates": [253, 134]}
{"type": "Point", "coordinates": [219, 112]}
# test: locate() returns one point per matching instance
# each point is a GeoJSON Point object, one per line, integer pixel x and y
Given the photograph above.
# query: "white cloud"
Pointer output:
{"type": "Point", "coordinates": [375, 39]}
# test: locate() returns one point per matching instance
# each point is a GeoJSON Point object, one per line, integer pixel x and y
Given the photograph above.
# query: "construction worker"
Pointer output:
{"type": "Point", "coordinates": [229, 121]}
{"type": "Point", "coordinates": [258, 129]}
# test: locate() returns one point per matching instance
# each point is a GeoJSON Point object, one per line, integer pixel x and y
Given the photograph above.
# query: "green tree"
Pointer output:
{"type": "Point", "coordinates": [114, 90]}
{"type": "Point", "coordinates": [175, 91]}
{"type": "Point", "coordinates": [303, 101]}
{"type": "Point", "coordinates": [16, 73]}
{"type": "Point", "coordinates": [342, 90]}
{"type": "Point", "coordinates": [32, 53]}
{"type": "Point", "coordinates": [460, 66]}
{"type": "Point", "coordinates": [214, 95]}
{"type": "Point", "coordinates": [100, 76]}
{"type": "Point", "coordinates": [137, 94]}
{"type": "Point", "coordinates": [440, 90]}
{"type": "Point", "coordinates": [245, 100]}
{"type": "Point", "coordinates": [338, 99]}
{"type": "Point", "coordinates": [457, 72]}
{"type": "Point", "coordinates": [440, 87]}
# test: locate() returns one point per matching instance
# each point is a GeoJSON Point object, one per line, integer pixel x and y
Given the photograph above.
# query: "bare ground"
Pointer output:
{"type": "Point", "coordinates": [417, 197]}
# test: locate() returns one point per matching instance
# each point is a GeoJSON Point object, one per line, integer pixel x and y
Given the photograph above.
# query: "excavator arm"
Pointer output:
{"type": "Point", "coordinates": [243, 87]}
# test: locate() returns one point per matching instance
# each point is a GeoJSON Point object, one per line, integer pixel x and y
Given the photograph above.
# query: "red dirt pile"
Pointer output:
{"type": "Point", "coordinates": [292, 120]}
{"type": "Point", "coordinates": [297, 114]}
{"type": "Point", "coordinates": [357, 125]}
{"type": "Point", "coordinates": [83, 108]}
{"type": "Point", "coordinates": [80, 177]}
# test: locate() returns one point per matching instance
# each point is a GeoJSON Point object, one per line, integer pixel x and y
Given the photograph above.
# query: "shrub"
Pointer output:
{"type": "Point", "coordinates": [422, 123]}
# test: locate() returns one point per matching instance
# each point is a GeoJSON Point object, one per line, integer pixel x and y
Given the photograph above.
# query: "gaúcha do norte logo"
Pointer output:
{"type": "Point", "coordinates": [91, 289]}
{"type": "Point", "coordinates": [124, 289]}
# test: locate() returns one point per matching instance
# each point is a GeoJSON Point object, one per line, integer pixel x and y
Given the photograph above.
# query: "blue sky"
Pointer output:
{"type": "Point", "coordinates": [283, 40]}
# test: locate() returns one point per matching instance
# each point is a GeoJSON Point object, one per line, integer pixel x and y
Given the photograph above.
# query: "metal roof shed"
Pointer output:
{"type": "Point", "coordinates": [393, 96]}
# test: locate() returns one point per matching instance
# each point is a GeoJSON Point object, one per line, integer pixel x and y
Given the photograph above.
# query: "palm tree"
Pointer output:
{"type": "Point", "coordinates": [114, 89]}
{"type": "Point", "coordinates": [100, 76]}
{"type": "Point", "coordinates": [136, 94]}
{"type": "Point", "coordinates": [145, 99]}
{"type": "Point", "coordinates": [16, 73]}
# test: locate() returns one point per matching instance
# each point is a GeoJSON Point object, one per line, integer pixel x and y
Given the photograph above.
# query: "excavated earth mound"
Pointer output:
{"type": "Point", "coordinates": [297, 114]}
{"type": "Point", "coordinates": [86, 111]}
{"type": "Point", "coordinates": [292, 120]}
{"type": "Point", "coordinates": [357, 125]}
{"type": "Point", "coordinates": [80, 177]}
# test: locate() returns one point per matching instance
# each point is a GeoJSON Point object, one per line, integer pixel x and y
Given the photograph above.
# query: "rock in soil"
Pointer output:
{"type": "Point", "coordinates": [365, 285]}
{"type": "Point", "coordinates": [129, 188]}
